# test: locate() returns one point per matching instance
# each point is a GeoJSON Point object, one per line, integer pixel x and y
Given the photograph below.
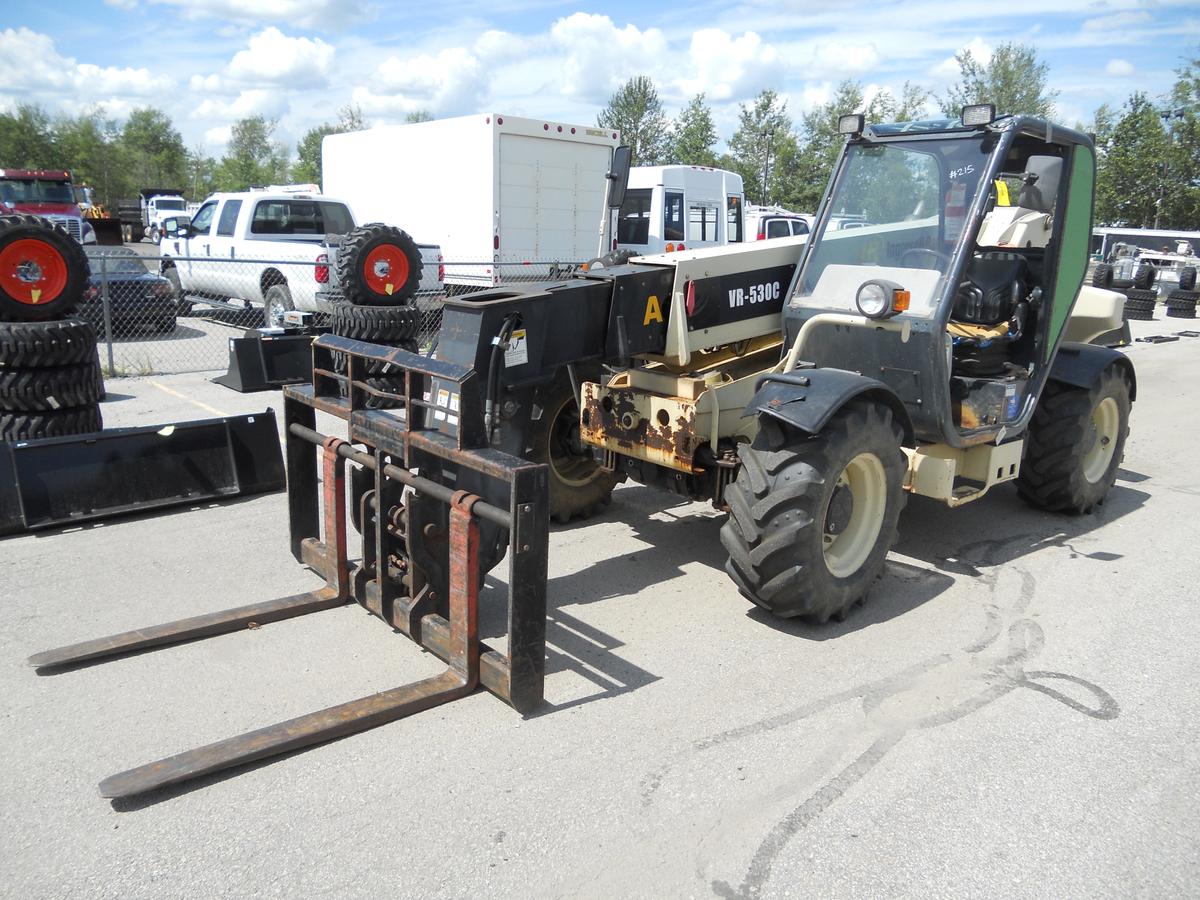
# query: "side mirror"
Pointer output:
{"type": "Point", "coordinates": [622, 156]}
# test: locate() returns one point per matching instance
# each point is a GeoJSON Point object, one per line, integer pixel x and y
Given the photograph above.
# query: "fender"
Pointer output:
{"type": "Point", "coordinates": [1082, 365]}
{"type": "Point", "coordinates": [808, 398]}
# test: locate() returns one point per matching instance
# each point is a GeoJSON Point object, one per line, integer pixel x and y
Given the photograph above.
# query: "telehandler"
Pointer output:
{"type": "Point", "coordinates": [939, 349]}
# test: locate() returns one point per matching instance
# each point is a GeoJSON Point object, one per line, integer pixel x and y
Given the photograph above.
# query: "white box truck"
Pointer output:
{"type": "Point", "coordinates": [504, 196]}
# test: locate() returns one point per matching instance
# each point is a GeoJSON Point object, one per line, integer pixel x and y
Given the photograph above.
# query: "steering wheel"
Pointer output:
{"type": "Point", "coordinates": [937, 257]}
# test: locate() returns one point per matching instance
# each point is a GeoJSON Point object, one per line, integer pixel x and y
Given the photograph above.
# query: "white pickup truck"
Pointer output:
{"type": "Point", "coordinates": [265, 248]}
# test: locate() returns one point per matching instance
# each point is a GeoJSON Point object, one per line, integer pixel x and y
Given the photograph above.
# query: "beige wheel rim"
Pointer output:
{"type": "Point", "coordinates": [1106, 419]}
{"type": "Point", "coordinates": [847, 551]}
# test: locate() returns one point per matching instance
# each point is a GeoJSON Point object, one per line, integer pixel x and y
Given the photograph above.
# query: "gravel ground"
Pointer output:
{"type": "Point", "coordinates": [1011, 714]}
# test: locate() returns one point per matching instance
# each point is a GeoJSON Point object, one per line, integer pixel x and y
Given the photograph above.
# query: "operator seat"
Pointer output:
{"type": "Point", "coordinates": [1028, 224]}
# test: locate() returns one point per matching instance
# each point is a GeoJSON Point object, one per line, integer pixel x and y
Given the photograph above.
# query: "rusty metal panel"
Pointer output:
{"type": "Point", "coordinates": [638, 423]}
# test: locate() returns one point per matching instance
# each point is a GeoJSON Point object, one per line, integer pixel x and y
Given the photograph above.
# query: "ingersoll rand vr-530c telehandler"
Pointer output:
{"type": "Point", "coordinates": [939, 349]}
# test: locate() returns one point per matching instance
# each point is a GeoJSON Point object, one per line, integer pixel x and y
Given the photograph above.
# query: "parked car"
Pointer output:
{"type": "Point", "coordinates": [138, 299]}
{"type": "Point", "coordinates": [765, 222]}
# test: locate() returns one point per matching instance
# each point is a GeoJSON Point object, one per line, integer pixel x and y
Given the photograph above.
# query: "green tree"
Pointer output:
{"type": "Point", "coordinates": [1131, 186]}
{"type": "Point", "coordinates": [251, 157]}
{"type": "Point", "coordinates": [26, 137]}
{"type": "Point", "coordinates": [202, 173]}
{"type": "Point", "coordinates": [1182, 208]}
{"type": "Point", "coordinates": [89, 145]}
{"type": "Point", "coordinates": [763, 148]}
{"type": "Point", "coordinates": [637, 113]}
{"type": "Point", "coordinates": [693, 135]}
{"type": "Point", "coordinates": [418, 115]}
{"type": "Point", "coordinates": [308, 150]}
{"type": "Point", "coordinates": [152, 150]}
{"type": "Point", "coordinates": [1014, 79]}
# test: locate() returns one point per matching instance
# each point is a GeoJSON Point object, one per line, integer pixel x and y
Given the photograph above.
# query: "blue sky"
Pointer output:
{"type": "Point", "coordinates": [210, 62]}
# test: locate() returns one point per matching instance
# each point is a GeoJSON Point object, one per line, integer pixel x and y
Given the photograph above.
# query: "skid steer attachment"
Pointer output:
{"type": "Point", "coordinates": [441, 508]}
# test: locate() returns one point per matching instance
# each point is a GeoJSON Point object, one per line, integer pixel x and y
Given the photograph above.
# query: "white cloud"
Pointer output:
{"type": "Point", "coordinates": [301, 13]}
{"type": "Point", "coordinates": [728, 68]}
{"type": "Point", "coordinates": [273, 57]}
{"type": "Point", "coordinates": [845, 60]}
{"type": "Point", "coordinates": [598, 57]}
{"type": "Point", "coordinates": [122, 4]}
{"type": "Point", "coordinates": [31, 65]}
{"type": "Point", "coordinates": [1119, 67]}
{"type": "Point", "coordinates": [1117, 21]}
{"type": "Point", "coordinates": [450, 82]}
{"type": "Point", "coordinates": [219, 136]}
{"type": "Point", "coordinates": [947, 69]}
{"type": "Point", "coordinates": [256, 102]}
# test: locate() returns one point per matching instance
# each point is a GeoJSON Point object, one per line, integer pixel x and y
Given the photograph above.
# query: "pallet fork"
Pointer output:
{"type": "Point", "coordinates": [427, 537]}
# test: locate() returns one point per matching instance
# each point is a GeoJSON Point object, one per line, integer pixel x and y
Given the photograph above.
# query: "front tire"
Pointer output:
{"type": "Point", "coordinates": [1075, 444]}
{"type": "Point", "coordinates": [276, 302]}
{"type": "Point", "coordinates": [812, 517]}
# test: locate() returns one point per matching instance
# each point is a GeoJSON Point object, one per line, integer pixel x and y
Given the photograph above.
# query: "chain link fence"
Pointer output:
{"type": "Point", "coordinates": [159, 315]}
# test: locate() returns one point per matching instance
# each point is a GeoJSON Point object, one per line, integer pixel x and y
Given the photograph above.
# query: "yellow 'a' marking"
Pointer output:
{"type": "Point", "coordinates": [653, 310]}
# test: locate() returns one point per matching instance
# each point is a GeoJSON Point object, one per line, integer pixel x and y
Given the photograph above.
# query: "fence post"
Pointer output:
{"type": "Point", "coordinates": [107, 314]}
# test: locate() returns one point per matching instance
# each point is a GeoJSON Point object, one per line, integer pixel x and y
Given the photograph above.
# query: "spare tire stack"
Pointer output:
{"type": "Point", "coordinates": [379, 270]}
{"type": "Point", "coordinates": [50, 379]}
{"type": "Point", "coordinates": [1140, 303]}
{"type": "Point", "coordinates": [1182, 304]}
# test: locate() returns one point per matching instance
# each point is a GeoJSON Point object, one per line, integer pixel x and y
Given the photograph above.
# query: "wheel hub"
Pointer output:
{"type": "Point", "coordinates": [841, 508]}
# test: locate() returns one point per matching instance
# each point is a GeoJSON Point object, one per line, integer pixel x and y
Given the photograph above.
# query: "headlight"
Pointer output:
{"type": "Point", "coordinates": [879, 299]}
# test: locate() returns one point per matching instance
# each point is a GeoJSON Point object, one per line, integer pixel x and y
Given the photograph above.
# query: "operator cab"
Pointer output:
{"type": "Point", "coordinates": [960, 265]}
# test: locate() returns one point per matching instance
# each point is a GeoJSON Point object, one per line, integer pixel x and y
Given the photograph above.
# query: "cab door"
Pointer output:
{"type": "Point", "coordinates": [226, 276]}
{"type": "Point", "coordinates": [193, 249]}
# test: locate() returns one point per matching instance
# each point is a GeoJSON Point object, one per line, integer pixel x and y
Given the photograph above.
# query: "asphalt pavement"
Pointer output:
{"type": "Point", "coordinates": [1013, 713]}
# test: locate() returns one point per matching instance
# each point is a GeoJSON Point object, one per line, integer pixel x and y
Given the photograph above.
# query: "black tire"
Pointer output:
{"type": "Point", "coordinates": [19, 426]}
{"type": "Point", "coordinates": [36, 344]}
{"type": "Point", "coordinates": [37, 259]}
{"type": "Point", "coordinates": [377, 324]}
{"type": "Point", "coordinates": [1144, 294]}
{"type": "Point", "coordinates": [34, 390]}
{"type": "Point", "coordinates": [379, 265]}
{"type": "Point", "coordinates": [167, 325]}
{"type": "Point", "coordinates": [183, 306]}
{"type": "Point", "coordinates": [1187, 278]}
{"type": "Point", "coordinates": [277, 301]}
{"type": "Point", "coordinates": [1182, 296]}
{"type": "Point", "coordinates": [1102, 276]}
{"type": "Point", "coordinates": [1139, 315]}
{"type": "Point", "coordinates": [1060, 471]}
{"type": "Point", "coordinates": [1143, 277]}
{"type": "Point", "coordinates": [783, 511]}
{"type": "Point", "coordinates": [1146, 306]}
{"type": "Point", "coordinates": [1182, 312]}
{"type": "Point", "coordinates": [579, 486]}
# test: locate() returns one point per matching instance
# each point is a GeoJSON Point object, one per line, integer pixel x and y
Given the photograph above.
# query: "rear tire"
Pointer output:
{"type": "Point", "coordinates": [1075, 444]}
{"type": "Point", "coordinates": [276, 302]}
{"type": "Point", "coordinates": [812, 517]}
{"type": "Point", "coordinates": [579, 486]}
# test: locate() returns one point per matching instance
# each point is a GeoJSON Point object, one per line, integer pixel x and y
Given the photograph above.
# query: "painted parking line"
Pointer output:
{"type": "Point", "coordinates": [191, 400]}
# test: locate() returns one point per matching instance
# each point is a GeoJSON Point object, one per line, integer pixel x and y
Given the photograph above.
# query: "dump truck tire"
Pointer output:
{"type": "Point", "coordinates": [1102, 276]}
{"type": "Point", "coordinates": [37, 344]}
{"type": "Point", "coordinates": [43, 271]}
{"type": "Point", "coordinates": [812, 517]}
{"type": "Point", "coordinates": [35, 390]}
{"type": "Point", "coordinates": [1075, 444]}
{"type": "Point", "coordinates": [379, 265]}
{"type": "Point", "coordinates": [579, 486]}
{"type": "Point", "coordinates": [51, 423]}
{"type": "Point", "coordinates": [1187, 279]}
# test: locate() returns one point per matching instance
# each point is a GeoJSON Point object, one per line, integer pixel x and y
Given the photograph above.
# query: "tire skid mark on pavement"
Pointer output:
{"type": "Point", "coordinates": [939, 690]}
